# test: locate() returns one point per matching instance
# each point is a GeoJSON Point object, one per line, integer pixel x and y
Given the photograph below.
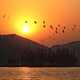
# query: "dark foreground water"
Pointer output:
{"type": "Point", "coordinates": [26, 73]}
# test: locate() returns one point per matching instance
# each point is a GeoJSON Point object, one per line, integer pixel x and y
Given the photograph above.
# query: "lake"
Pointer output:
{"type": "Point", "coordinates": [39, 73]}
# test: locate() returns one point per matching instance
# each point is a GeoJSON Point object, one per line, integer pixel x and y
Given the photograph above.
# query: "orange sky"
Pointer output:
{"type": "Point", "coordinates": [65, 12]}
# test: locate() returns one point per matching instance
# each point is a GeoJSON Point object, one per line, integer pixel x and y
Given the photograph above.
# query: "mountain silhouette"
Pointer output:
{"type": "Point", "coordinates": [67, 54]}
{"type": "Point", "coordinates": [18, 51]}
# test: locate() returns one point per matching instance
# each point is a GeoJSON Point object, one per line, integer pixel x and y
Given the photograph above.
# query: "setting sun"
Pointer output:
{"type": "Point", "coordinates": [26, 29]}
{"type": "Point", "coordinates": [22, 27]}
{"type": "Point", "coordinates": [41, 20]}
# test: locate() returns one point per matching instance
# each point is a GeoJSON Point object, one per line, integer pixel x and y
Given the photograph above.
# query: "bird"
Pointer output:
{"type": "Point", "coordinates": [74, 26]}
{"type": "Point", "coordinates": [44, 26]}
{"type": "Point", "coordinates": [63, 30]}
{"type": "Point", "coordinates": [26, 21]}
{"type": "Point", "coordinates": [64, 27]}
{"type": "Point", "coordinates": [43, 21]}
{"type": "Point", "coordinates": [56, 30]}
{"type": "Point", "coordinates": [51, 26]}
{"type": "Point", "coordinates": [4, 16]}
{"type": "Point", "coordinates": [59, 25]}
{"type": "Point", "coordinates": [35, 22]}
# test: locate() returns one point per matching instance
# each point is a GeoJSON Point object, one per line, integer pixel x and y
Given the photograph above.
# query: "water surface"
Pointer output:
{"type": "Point", "coordinates": [45, 73]}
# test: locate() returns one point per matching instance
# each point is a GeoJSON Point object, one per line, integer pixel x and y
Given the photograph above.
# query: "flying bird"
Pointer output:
{"type": "Point", "coordinates": [56, 30]}
{"type": "Point", "coordinates": [44, 26]}
{"type": "Point", "coordinates": [44, 22]}
{"type": "Point", "coordinates": [74, 26]}
{"type": "Point", "coordinates": [59, 25]}
{"type": "Point", "coordinates": [64, 27]}
{"type": "Point", "coordinates": [63, 30]}
{"type": "Point", "coordinates": [35, 22]}
{"type": "Point", "coordinates": [26, 21]}
{"type": "Point", "coordinates": [51, 26]}
{"type": "Point", "coordinates": [4, 16]}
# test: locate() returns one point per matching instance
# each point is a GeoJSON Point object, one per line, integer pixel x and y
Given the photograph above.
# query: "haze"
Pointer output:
{"type": "Point", "coordinates": [54, 12]}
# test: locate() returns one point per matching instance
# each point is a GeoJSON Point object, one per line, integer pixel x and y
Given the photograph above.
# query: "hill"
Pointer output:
{"type": "Point", "coordinates": [18, 51]}
{"type": "Point", "coordinates": [67, 52]}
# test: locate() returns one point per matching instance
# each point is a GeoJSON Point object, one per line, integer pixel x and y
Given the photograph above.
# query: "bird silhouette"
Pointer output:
{"type": "Point", "coordinates": [64, 27]}
{"type": "Point", "coordinates": [74, 27]}
{"type": "Point", "coordinates": [26, 21]}
{"type": "Point", "coordinates": [58, 25]}
{"type": "Point", "coordinates": [63, 31]}
{"type": "Point", "coordinates": [44, 26]}
{"type": "Point", "coordinates": [35, 22]}
{"type": "Point", "coordinates": [56, 30]}
{"type": "Point", "coordinates": [4, 15]}
{"type": "Point", "coordinates": [51, 27]}
{"type": "Point", "coordinates": [44, 22]}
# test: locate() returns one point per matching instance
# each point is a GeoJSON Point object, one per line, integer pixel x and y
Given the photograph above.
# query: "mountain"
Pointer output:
{"type": "Point", "coordinates": [67, 53]}
{"type": "Point", "coordinates": [18, 51]}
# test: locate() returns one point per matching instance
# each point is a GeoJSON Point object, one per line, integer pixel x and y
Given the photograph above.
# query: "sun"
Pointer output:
{"type": "Point", "coordinates": [25, 28]}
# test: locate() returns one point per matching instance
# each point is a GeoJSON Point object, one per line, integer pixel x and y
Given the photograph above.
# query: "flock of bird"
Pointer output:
{"type": "Point", "coordinates": [51, 26]}
{"type": "Point", "coordinates": [58, 26]}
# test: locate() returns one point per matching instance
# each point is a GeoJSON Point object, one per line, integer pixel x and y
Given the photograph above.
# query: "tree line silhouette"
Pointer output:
{"type": "Point", "coordinates": [62, 57]}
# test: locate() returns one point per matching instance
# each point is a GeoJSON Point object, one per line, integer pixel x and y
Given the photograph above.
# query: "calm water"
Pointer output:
{"type": "Point", "coordinates": [26, 73]}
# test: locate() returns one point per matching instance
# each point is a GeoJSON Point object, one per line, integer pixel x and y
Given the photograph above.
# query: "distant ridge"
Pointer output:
{"type": "Point", "coordinates": [15, 37]}
{"type": "Point", "coordinates": [69, 49]}
{"type": "Point", "coordinates": [73, 43]}
{"type": "Point", "coordinates": [18, 51]}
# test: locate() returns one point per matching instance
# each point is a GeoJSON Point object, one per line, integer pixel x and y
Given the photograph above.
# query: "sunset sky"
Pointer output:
{"type": "Point", "coordinates": [14, 13]}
